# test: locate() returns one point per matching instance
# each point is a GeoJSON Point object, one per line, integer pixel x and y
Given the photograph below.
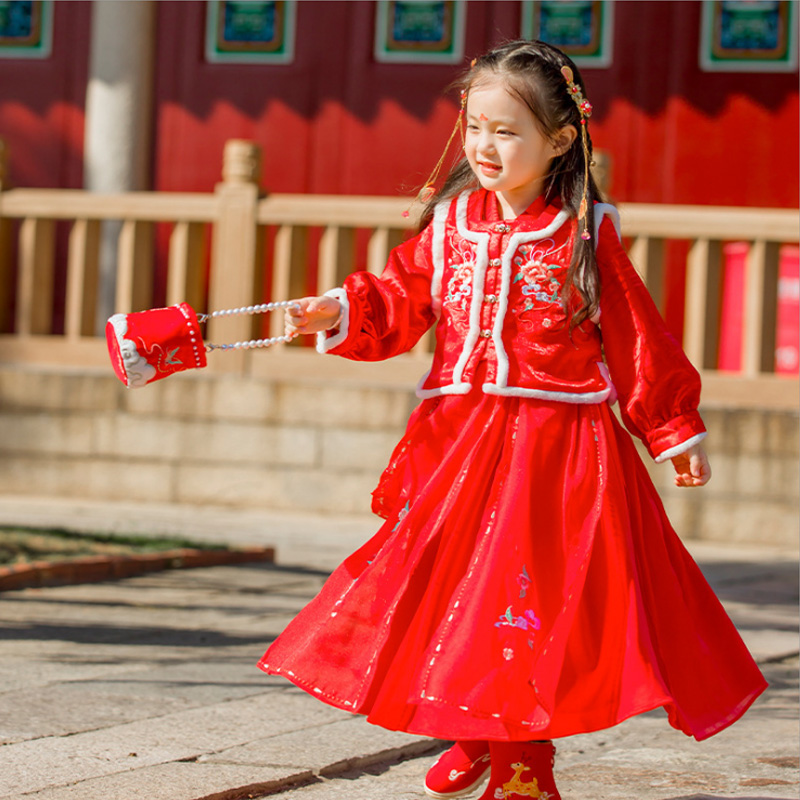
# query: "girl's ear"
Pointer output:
{"type": "Point", "coordinates": [563, 140]}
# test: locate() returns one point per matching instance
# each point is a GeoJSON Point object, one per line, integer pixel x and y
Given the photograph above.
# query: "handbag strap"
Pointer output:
{"type": "Point", "coordinates": [262, 308]}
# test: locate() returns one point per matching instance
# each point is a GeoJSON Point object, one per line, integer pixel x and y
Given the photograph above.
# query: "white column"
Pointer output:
{"type": "Point", "coordinates": [119, 116]}
{"type": "Point", "coordinates": [119, 96]}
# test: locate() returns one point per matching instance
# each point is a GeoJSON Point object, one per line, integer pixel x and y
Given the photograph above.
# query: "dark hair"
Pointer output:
{"type": "Point", "coordinates": [531, 71]}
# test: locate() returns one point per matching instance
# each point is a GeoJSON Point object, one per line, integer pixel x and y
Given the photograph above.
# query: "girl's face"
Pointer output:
{"type": "Point", "coordinates": [505, 147]}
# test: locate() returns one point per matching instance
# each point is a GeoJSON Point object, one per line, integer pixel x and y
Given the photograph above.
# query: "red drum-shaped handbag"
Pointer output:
{"type": "Point", "coordinates": [146, 346]}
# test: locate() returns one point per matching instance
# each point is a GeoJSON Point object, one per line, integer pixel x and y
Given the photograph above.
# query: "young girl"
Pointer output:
{"type": "Point", "coordinates": [526, 584]}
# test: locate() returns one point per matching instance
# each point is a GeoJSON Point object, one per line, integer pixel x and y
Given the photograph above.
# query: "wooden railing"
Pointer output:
{"type": "Point", "coordinates": [304, 241]}
{"type": "Point", "coordinates": [707, 228]}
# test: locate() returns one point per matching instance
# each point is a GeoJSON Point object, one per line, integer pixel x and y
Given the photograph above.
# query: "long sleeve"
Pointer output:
{"type": "Point", "coordinates": [658, 389]}
{"type": "Point", "coordinates": [385, 316]}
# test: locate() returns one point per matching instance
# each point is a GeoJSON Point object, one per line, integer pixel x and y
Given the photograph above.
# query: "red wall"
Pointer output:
{"type": "Point", "coordinates": [42, 102]}
{"type": "Point", "coordinates": [680, 135]}
{"type": "Point", "coordinates": [335, 121]}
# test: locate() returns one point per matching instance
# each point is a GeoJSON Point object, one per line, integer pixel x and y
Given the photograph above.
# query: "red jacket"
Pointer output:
{"type": "Point", "coordinates": [493, 287]}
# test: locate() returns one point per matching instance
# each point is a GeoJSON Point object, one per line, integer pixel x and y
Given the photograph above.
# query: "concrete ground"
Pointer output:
{"type": "Point", "coordinates": [147, 687]}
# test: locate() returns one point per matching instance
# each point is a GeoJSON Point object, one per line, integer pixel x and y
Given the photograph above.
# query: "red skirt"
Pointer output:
{"type": "Point", "coordinates": [525, 585]}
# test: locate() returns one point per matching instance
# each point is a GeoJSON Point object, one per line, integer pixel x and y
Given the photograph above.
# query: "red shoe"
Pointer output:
{"type": "Point", "coordinates": [521, 769]}
{"type": "Point", "coordinates": [459, 770]}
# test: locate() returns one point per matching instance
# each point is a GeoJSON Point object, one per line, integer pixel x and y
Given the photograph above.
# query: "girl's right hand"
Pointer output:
{"type": "Point", "coordinates": [312, 315]}
{"type": "Point", "coordinates": [692, 467]}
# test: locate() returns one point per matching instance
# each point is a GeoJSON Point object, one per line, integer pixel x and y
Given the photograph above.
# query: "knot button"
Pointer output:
{"type": "Point", "coordinates": [502, 228]}
{"type": "Point", "coordinates": [490, 298]}
{"type": "Point", "coordinates": [495, 262]}
{"type": "Point", "coordinates": [485, 334]}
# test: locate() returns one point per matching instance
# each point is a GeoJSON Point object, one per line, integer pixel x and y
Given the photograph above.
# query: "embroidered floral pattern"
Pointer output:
{"type": "Point", "coordinates": [540, 283]}
{"type": "Point", "coordinates": [459, 287]}
{"type": "Point", "coordinates": [538, 276]}
{"type": "Point", "coordinates": [526, 621]}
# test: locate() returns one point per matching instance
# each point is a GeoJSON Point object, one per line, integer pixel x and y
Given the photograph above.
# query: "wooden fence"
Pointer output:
{"type": "Point", "coordinates": [221, 245]}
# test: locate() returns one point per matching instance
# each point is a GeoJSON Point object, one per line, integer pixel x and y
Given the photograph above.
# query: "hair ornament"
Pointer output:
{"type": "Point", "coordinates": [428, 189]}
{"type": "Point", "coordinates": [584, 106]}
{"type": "Point", "coordinates": [585, 110]}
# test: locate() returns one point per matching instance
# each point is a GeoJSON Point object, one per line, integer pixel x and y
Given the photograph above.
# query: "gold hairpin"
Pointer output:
{"type": "Point", "coordinates": [585, 110]}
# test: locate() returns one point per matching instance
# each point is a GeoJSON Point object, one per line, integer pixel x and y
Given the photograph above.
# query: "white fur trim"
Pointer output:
{"type": "Point", "coordinates": [325, 342]}
{"type": "Point", "coordinates": [680, 448]}
{"type": "Point", "coordinates": [451, 388]}
{"type": "Point", "coordinates": [602, 210]}
{"type": "Point", "coordinates": [119, 322]}
{"type": "Point", "coordinates": [608, 394]}
{"type": "Point", "coordinates": [514, 242]}
{"type": "Point", "coordinates": [437, 391]}
{"type": "Point", "coordinates": [137, 369]}
{"type": "Point", "coordinates": [542, 394]}
{"type": "Point", "coordinates": [502, 308]}
{"type": "Point", "coordinates": [439, 226]}
{"type": "Point", "coordinates": [481, 240]}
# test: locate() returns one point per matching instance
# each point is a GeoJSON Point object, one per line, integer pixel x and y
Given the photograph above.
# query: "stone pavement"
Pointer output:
{"type": "Point", "coordinates": [147, 687]}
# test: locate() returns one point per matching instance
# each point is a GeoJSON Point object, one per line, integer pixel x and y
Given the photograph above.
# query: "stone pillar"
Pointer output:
{"type": "Point", "coordinates": [236, 254]}
{"type": "Point", "coordinates": [119, 116]}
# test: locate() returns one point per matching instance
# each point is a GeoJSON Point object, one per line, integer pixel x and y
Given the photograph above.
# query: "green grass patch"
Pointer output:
{"type": "Point", "coordinates": [21, 545]}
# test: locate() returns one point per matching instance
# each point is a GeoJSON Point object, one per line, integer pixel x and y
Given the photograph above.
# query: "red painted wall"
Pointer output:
{"type": "Point", "coordinates": [336, 122]}
{"type": "Point", "coordinates": [42, 105]}
{"type": "Point", "coordinates": [680, 135]}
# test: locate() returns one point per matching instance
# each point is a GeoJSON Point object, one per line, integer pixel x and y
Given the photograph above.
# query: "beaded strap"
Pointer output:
{"type": "Point", "coordinates": [252, 344]}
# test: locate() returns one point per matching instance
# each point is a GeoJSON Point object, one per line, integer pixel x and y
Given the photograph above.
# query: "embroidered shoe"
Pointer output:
{"type": "Point", "coordinates": [459, 771]}
{"type": "Point", "coordinates": [521, 769]}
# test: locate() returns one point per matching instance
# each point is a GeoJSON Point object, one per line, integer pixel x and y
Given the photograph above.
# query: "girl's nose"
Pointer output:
{"type": "Point", "coordinates": [485, 143]}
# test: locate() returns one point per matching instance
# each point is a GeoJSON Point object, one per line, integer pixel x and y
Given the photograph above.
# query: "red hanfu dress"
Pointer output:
{"type": "Point", "coordinates": [526, 583]}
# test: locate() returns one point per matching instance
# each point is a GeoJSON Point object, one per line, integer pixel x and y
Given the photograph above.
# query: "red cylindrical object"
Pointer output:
{"type": "Point", "coordinates": [149, 345]}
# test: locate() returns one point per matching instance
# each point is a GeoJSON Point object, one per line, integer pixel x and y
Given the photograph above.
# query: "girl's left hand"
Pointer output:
{"type": "Point", "coordinates": [692, 467]}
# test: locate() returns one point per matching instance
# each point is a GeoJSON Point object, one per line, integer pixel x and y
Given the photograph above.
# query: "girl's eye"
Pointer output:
{"type": "Point", "coordinates": [472, 127]}
{"type": "Point", "coordinates": [504, 132]}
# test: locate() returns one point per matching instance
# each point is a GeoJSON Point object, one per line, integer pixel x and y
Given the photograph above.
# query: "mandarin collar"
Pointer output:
{"type": "Point", "coordinates": [484, 210]}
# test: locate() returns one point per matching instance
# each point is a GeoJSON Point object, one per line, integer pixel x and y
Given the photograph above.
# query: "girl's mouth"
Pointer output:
{"type": "Point", "coordinates": [488, 168]}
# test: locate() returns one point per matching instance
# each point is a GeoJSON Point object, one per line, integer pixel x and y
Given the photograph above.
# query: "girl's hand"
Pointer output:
{"type": "Point", "coordinates": [312, 314]}
{"type": "Point", "coordinates": [692, 467]}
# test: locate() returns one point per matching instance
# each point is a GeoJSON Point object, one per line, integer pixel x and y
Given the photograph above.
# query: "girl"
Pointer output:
{"type": "Point", "coordinates": [526, 584]}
